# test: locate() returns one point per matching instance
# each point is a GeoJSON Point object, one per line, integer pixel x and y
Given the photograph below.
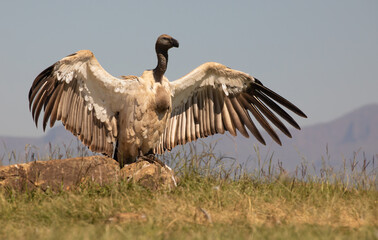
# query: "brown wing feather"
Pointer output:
{"type": "Point", "coordinates": [63, 101]}
{"type": "Point", "coordinates": [218, 112]}
{"type": "Point", "coordinates": [223, 99]}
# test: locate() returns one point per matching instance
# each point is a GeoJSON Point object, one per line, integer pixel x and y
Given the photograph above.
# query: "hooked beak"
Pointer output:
{"type": "Point", "coordinates": [175, 43]}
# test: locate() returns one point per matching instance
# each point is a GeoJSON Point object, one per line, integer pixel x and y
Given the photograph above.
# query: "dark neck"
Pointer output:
{"type": "Point", "coordinates": [161, 67]}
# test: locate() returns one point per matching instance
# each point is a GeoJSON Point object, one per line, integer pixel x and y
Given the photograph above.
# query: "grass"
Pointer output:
{"type": "Point", "coordinates": [211, 202]}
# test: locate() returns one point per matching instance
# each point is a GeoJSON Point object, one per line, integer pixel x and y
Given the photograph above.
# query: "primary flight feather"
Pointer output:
{"type": "Point", "coordinates": [148, 114]}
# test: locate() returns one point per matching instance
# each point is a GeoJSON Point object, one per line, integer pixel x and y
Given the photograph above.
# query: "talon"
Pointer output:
{"type": "Point", "coordinates": [151, 158]}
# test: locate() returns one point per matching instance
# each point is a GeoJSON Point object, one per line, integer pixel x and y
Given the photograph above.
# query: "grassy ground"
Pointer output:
{"type": "Point", "coordinates": [210, 202]}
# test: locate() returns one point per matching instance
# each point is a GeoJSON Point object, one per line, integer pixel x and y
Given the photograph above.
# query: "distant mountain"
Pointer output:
{"type": "Point", "coordinates": [355, 132]}
{"type": "Point", "coordinates": [56, 142]}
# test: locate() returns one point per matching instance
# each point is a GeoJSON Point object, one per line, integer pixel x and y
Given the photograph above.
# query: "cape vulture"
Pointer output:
{"type": "Point", "coordinates": [148, 114]}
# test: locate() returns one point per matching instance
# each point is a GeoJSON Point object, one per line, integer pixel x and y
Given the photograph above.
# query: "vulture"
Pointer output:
{"type": "Point", "coordinates": [131, 116]}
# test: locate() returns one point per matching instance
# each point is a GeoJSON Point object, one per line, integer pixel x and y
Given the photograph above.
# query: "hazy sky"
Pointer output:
{"type": "Point", "coordinates": [322, 55]}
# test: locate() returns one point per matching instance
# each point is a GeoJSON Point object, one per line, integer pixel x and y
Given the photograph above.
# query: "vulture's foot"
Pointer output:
{"type": "Point", "coordinates": [151, 158]}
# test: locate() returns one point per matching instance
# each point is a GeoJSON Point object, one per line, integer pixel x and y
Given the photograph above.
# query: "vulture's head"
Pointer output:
{"type": "Point", "coordinates": [165, 42]}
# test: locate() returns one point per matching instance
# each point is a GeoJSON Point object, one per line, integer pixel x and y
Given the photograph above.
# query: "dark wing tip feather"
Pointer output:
{"type": "Point", "coordinates": [303, 115]}
{"type": "Point", "coordinates": [258, 82]}
{"type": "Point", "coordinates": [261, 140]}
{"type": "Point", "coordinates": [40, 91]}
{"type": "Point", "coordinates": [258, 116]}
{"type": "Point", "coordinates": [259, 86]}
{"type": "Point", "coordinates": [36, 83]}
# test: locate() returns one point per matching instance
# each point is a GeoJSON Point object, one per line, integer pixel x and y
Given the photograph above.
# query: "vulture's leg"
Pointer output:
{"type": "Point", "coordinates": [118, 156]}
{"type": "Point", "coordinates": [115, 157]}
{"type": "Point", "coordinates": [150, 157]}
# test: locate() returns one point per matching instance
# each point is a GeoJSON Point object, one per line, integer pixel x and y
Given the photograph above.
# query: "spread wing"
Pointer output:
{"type": "Point", "coordinates": [213, 99]}
{"type": "Point", "coordinates": [86, 98]}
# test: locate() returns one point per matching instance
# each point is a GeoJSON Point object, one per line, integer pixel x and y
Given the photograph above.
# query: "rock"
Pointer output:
{"type": "Point", "coordinates": [151, 175]}
{"type": "Point", "coordinates": [64, 174]}
{"type": "Point", "coordinates": [59, 174]}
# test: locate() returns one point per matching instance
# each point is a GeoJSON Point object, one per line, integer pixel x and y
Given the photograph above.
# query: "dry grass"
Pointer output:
{"type": "Point", "coordinates": [211, 202]}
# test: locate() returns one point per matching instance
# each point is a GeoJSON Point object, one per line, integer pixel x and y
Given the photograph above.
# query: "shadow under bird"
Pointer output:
{"type": "Point", "coordinates": [148, 114]}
